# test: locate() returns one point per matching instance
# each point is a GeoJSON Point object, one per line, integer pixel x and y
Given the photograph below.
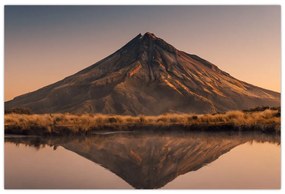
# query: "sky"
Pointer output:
{"type": "Point", "coordinates": [44, 44]}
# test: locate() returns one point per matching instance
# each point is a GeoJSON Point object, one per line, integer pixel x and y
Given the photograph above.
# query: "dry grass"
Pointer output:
{"type": "Point", "coordinates": [266, 120]}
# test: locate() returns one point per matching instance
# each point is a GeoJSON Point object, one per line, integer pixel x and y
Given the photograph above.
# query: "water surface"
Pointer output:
{"type": "Point", "coordinates": [144, 160]}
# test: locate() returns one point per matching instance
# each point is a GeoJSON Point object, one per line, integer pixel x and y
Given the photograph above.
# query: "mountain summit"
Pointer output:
{"type": "Point", "coordinates": [147, 76]}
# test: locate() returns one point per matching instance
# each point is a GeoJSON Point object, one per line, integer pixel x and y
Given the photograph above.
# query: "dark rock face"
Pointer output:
{"type": "Point", "coordinates": [147, 76]}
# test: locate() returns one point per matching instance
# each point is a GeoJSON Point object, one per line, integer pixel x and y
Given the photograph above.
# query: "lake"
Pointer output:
{"type": "Point", "coordinates": [173, 160]}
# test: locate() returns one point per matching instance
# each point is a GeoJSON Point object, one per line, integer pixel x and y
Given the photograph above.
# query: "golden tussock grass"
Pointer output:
{"type": "Point", "coordinates": [266, 120]}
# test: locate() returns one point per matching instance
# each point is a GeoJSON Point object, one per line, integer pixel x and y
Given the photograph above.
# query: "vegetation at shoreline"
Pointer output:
{"type": "Point", "coordinates": [261, 119]}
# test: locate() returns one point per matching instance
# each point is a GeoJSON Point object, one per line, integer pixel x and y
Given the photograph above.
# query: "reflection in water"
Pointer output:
{"type": "Point", "coordinates": [150, 160]}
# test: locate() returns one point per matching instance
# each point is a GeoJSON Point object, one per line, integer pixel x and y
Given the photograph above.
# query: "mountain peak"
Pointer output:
{"type": "Point", "coordinates": [151, 39]}
{"type": "Point", "coordinates": [150, 35]}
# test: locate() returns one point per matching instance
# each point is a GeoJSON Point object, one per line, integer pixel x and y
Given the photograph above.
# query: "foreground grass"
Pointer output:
{"type": "Point", "coordinates": [267, 120]}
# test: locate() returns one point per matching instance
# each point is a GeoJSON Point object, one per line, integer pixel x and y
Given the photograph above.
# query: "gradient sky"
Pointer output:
{"type": "Point", "coordinates": [44, 44]}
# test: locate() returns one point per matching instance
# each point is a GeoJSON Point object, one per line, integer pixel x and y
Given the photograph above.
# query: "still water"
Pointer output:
{"type": "Point", "coordinates": [144, 160]}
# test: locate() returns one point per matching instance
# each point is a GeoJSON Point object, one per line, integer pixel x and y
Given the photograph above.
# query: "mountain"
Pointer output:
{"type": "Point", "coordinates": [147, 76]}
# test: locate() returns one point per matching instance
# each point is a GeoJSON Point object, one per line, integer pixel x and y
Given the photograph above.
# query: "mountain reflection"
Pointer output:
{"type": "Point", "coordinates": [150, 160]}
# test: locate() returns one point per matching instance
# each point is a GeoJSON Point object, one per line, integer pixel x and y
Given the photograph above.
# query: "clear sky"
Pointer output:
{"type": "Point", "coordinates": [44, 44]}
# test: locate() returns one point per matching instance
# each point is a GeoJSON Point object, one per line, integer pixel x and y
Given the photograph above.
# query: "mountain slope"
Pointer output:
{"type": "Point", "coordinates": [147, 76]}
